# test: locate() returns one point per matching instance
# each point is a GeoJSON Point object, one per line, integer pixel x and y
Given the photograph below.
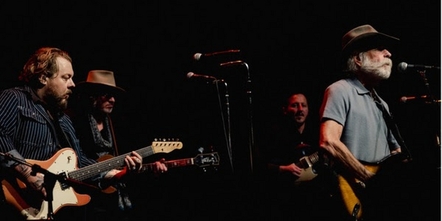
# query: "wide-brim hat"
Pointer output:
{"type": "Point", "coordinates": [100, 81]}
{"type": "Point", "coordinates": [365, 37]}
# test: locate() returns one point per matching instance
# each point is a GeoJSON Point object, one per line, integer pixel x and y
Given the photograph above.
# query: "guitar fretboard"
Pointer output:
{"type": "Point", "coordinates": [170, 164]}
{"type": "Point", "coordinates": [112, 163]}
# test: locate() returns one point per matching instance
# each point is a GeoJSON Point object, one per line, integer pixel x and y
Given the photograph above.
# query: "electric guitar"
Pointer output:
{"type": "Point", "coordinates": [306, 163]}
{"type": "Point", "coordinates": [64, 164]}
{"type": "Point", "coordinates": [200, 160]}
{"type": "Point", "coordinates": [351, 188]}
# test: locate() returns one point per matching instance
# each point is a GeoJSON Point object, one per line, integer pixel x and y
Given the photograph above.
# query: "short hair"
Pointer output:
{"type": "Point", "coordinates": [42, 62]}
{"type": "Point", "coordinates": [288, 94]}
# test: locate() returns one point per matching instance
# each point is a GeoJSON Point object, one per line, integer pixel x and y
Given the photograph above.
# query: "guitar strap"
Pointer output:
{"type": "Point", "coordinates": [389, 178]}
{"type": "Point", "coordinates": [392, 126]}
{"type": "Point", "coordinates": [111, 127]}
{"type": "Point", "coordinates": [61, 136]}
{"type": "Point", "coordinates": [124, 203]}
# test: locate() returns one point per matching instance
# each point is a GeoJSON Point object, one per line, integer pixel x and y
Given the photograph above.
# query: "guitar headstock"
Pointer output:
{"type": "Point", "coordinates": [166, 146]}
{"type": "Point", "coordinates": [206, 159]}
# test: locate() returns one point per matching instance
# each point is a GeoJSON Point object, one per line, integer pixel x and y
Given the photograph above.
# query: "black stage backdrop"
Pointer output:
{"type": "Point", "coordinates": [283, 46]}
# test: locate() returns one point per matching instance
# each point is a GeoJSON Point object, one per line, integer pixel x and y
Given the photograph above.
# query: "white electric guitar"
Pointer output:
{"type": "Point", "coordinates": [64, 164]}
{"type": "Point", "coordinates": [306, 163]}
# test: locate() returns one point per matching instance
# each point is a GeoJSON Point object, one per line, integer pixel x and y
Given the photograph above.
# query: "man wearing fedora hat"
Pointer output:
{"type": "Point", "coordinates": [94, 102]}
{"type": "Point", "coordinates": [91, 116]}
{"type": "Point", "coordinates": [353, 130]}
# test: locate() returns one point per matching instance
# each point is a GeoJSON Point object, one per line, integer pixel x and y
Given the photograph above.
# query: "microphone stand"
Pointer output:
{"type": "Point", "coordinates": [250, 115]}
{"type": "Point", "coordinates": [227, 129]}
{"type": "Point", "coordinates": [427, 87]}
{"type": "Point", "coordinates": [249, 111]}
{"type": "Point", "coordinates": [432, 100]}
{"type": "Point", "coordinates": [49, 181]}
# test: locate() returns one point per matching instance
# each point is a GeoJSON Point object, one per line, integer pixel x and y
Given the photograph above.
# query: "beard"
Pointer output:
{"type": "Point", "coordinates": [57, 102]}
{"type": "Point", "coordinates": [380, 70]}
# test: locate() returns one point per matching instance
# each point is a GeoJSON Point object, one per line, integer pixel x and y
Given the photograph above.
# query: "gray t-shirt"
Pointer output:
{"type": "Point", "coordinates": [365, 131]}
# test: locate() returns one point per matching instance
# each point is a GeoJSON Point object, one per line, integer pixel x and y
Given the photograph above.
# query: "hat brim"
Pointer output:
{"type": "Point", "coordinates": [95, 88]}
{"type": "Point", "coordinates": [369, 41]}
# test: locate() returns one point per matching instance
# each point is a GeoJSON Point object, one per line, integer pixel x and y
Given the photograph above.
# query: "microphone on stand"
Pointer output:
{"type": "Point", "coordinates": [403, 67]}
{"type": "Point", "coordinates": [231, 63]}
{"type": "Point", "coordinates": [193, 75]}
{"type": "Point", "coordinates": [206, 78]}
{"type": "Point", "coordinates": [406, 99]}
{"type": "Point", "coordinates": [424, 98]}
{"type": "Point", "coordinates": [199, 56]}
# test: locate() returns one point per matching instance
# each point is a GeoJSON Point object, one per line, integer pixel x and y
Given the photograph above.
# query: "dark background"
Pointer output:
{"type": "Point", "coordinates": [285, 46]}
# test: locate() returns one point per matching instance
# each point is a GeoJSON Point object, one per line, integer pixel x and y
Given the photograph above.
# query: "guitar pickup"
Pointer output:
{"type": "Point", "coordinates": [63, 183]}
{"type": "Point", "coordinates": [303, 163]}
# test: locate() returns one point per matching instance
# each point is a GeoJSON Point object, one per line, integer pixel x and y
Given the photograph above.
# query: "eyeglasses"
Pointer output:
{"type": "Point", "coordinates": [107, 96]}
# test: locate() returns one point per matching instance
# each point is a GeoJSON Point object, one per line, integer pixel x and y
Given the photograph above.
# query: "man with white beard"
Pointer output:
{"type": "Point", "coordinates": [353, 131]}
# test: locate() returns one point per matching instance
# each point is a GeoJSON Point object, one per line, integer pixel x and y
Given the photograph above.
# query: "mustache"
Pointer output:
{"type": "Point", "coordinates": [300, 113]}
{"type": "Point", "coordinates": [388, 62]}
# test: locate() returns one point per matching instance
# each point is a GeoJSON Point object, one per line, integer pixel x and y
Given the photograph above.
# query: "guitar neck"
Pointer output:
{"type": "Point", "coordinates": [112, 163]}
{"type": "Point", "coordinates": [118, 161]}
{"type": "Point", "coordinates": [170, 164]}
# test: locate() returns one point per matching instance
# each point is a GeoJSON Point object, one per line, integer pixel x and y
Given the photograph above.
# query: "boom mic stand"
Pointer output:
{"type": "Point", "coordinates": [251, 139]}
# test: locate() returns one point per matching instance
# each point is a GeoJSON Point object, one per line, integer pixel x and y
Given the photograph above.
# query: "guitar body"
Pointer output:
{"type": "Point", "coordinates": [63, 161]}
{"type": "Point", "coordinates": [350, 192]}
{"type": "Point", "coordinates": [353, 190]}
{"type": "Point", "coordinates": [306, 163]}
{"type": "Point", "coordinates": [64, 164]}
{"type": "Point", "coordinates": [306, 175]}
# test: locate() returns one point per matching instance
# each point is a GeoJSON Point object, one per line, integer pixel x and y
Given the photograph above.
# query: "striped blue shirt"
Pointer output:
{"type": "Point", "coordinates": [26, 127]}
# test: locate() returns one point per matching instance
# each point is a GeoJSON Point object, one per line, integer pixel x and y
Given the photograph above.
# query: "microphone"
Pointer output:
{"type": "Point", "coordinates": [402, 67]}
{"type": "Point", "coordinates": [231, 63]}
{"type": "Point", "coordinates": [199, 56]}
{"type": "Point", "coordinates": [193, 75]}
{"type": "Point", "coordinates": [404, 99]}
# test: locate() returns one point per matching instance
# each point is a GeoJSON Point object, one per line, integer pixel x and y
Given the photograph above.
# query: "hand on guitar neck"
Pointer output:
{"type": "Point", "coordinates": [157, 167]}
